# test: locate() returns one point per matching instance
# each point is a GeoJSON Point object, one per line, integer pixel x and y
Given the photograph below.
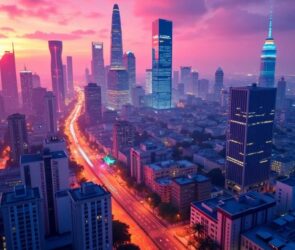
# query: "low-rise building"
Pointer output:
{"type": "Point", "coordinates": [285, 195]}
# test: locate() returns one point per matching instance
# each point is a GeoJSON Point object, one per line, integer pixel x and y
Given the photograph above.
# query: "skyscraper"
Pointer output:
{"type": "Point", "coordinates": [175, 78]}
{"type": "Point", "coordinates": [195, 82]}
{"type": "Point", "coordinates": [249, 140]}
{"type": "Point", "coordinates": [162, 64]}
{"type": "Point", "coordinates": [18, 136]}
{"type": "Point", "coordinates": [50, 113]}
{"type": "Point", "coordinates": [281, 93]}
{"type": "Point", "coordinates": [64, 72]}
{"type": "Point", "coordinates": [38, 101]}
{"type": "Point", "coordinates": [203, 88]}
{"type": "Point", "coordinates": [26, 80]}
{"type": "Point", "coordinates": [137, 96]}
{"type": "Point", "coordinates": [148, 81]}
{"type": "Point", "coordinates": [36, 80]}
{"type": "Point", "coordinates": [268, 60]}
{"type": "Point", "coordinates": [48, 171]}
{"type": "Point", "coordinates": [70, 76]}
{"type": "Point", "coordinates": [186, 78]}
{"type": "Point", "coordinates": [129, 63]}
{"type": "Point", "coordinates": [116, 38]}
{"type": "Point", "coordinates": [57, 77]}
{"type": "Point", "coordinates": [97, 68]}
{"type": "Point", "coordinates": [118, 88]}
{"type": "Point", "coordinates": [218, 86]}
{"type": "Point", "coordinates": [22, 218]}
{"type": "Point", "coordinates": [9, 82]}
{"type": "Point", "coordinates": [91, 217]}
{"type": "Point", "coordinates": [93, 110]}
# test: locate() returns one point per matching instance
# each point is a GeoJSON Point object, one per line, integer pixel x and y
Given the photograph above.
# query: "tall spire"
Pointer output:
{"type": "Point", "coordinates": [270, 21]}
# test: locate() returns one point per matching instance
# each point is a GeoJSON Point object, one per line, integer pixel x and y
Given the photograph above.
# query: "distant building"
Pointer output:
{"type": "Point", "coordinates": [203, 88]}
{"type": "Point", "coordinates": [65, 74]}
{"type": "Point", "coordinates": [93, 108]}
{"type": "Point", "coordinates": [48, 171]}
{"type": "Point", "coordinates": [18, 136]}
{"type": "Point", "coordinates": [22, 218]}
{"type": "Point", "coordinates": [129, 63]}
{"type": "Point", "coordinates": [91, 217]}
{"type": "Point", "coordinates": [175, 78]}
{"type": "Point", "coordinates": [38, 104]}
{"type": "Point", "coordinates": [224, 98]}
{"type": "Point", "coordinates": [250, 135]}
{"type": "Point", "coordinates": [225, 219]}
{"type": "Point", "coordinates": [63, 212]}
{"type": "Point", "coordinates": [55, 143]}
{"type": "Point", "coordinates": [148, 81]}
{"type": "Point", "coordinates": [137, 96]}
{"type": "Point", "coordinates": [50, 113]}
{"type": "Point", "coordinates": [285, 195]}
{"type": "Point", "coordinates": [281, 93]}
{"type": "Point", "coordinates": [218, 86]}
{"type": "Point", "coordinates": [9, 82]}
{"type": "Point", "coordinates": [70, 76]}
{"type": "Point", "coordinates": [36, 80]}
{"type": "Point", "coordinates": [195, 82]}
{"type": "Point", "coordinates": [26, 80]}
{"type": "Point", "coordinates": [186, 79]}
{"type": "Point", "coordinates": [162, 64]}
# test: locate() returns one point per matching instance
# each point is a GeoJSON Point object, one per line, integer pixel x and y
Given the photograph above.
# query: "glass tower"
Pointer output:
{"type": "Point", "coordinates": [218, 86]}
{"type": "Point", "coordinates": [268, 60]}
{"type": "Point", "coordinates": [162, 64]}
{"type": "Point", "coordinates": [249, 139]}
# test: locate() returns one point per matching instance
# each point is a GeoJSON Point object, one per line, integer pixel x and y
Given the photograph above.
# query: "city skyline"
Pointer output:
{"type": "Point", "coordinates": [209, 37]}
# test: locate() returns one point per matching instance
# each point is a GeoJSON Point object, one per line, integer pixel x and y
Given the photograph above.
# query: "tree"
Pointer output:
{"type": "Point", "coordinates": [121, 233]}
{"type": "Point", "coordinates": [216, 177]}
{"type": "Point", "coordinates": [154, 199]}
{"type": "Point", "coordinates": [168, 211]}
{"type": "Point", "coordinates": [207, 244]}
{"type": "Point", "coordinates": [129, 246]}
{"type": "Point", "coordinates": [198, 229]}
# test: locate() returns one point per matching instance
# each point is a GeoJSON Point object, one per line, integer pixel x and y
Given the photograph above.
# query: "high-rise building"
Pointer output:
{"type": "Point", "coordinates": [70, 76]}
{"type": "Point", "coordinates": [118, 88]}
{"type": "Point", "coordinates": [57, 76]}
{"type": "Point", "coordinates": [268, 60]}
{"type": "Point", "coordinates": [26, 80]}
{"type": "Point", "coordinates": [38, 101]}
{"type": "Point", "coordinates": [93, 110]}
{"type": "Point", "coordinates": [281, 93]}
{"type": "Point", "coordinates": [36, 80]}
{"type": "Point", "coordinates": [129, 63]}
{"type": "Point", "coordinates": [2, 108]}
{"type": "Point", "coordinates": [18, 136]}
{"type": "Point", "coordinates": [175, 78]}
{"type": "Point", "coordinates": [91, 217]}
{"type": "Point", "coordinates": [195, 82]}
{"type": "Point", "coordinates": [148, 81]}
{"type": "Point", "coordinates": [50, 113]}
{"type": "Point", "coordinates": [98, 69]}
{"type": "Point", "coordinates": [162, 64]}
{"type": "Point", "coordinates": [203, 88]}
{"type": "Point", "coordinates": [218, 86]}
{"type": "Point", "coordinates": [285, 195]}
{"type": "Point", "coordinates": [48, 171]}
{"type": "Point", "coordinates": [87, 75]}
{"type": "Point", "coordinates": [22, 218]}
{"type": "Point", "coordinates": [116, 38]}
{"type": "Point", "coordinates": [64, 72]}
{"type": "Point", "coordinates": [137, 96]}
{"type": "Point", "coordinates": [186, 79]}
{"type": "Point", "coordinates": [9, 82]}
{"type": "Point", "coordinates": [123, 136]}
{"type": "Point", "coordinates": [249, 140]}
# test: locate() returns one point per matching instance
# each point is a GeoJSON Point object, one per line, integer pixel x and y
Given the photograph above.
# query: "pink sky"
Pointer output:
{"type": "Point", "coordinates": [207, 33]}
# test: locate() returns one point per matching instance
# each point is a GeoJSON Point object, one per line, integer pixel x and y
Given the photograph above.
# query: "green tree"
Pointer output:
{"type": "Point", "coordinates": [121, 233]}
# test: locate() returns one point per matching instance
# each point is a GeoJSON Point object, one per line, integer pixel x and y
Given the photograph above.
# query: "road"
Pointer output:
{"type": "Point", "coordinates": [95, 170]}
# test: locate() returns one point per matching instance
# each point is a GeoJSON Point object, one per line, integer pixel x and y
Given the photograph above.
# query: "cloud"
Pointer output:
{"type": "Point", "coordinates": [94, 15]}
{"type": "Point", "coordinates": [2, 36]}
{"type": "Point", "coordinates": [74, 35]}
{"type": "Point", "coordinates": [8, 29]}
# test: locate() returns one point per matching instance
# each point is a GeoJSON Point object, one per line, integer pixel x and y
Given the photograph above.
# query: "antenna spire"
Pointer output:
{"type": "Point", "coordinates": [13, 47]}
{"type": "Point", "coordinates": [270, 20]}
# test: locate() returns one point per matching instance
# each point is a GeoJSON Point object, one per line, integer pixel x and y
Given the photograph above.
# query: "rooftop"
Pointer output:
{"type": "Point", "coordinates": [171, 163]}
{"type": "Point", "coordinates": [288, 181]}
{"type": "Point", "coordinates": [20, 193]}
{"type": "Point", "coordinates": [28, 158]}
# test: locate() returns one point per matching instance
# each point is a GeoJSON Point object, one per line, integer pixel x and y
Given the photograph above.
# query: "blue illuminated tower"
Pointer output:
{"type": "Point", "coordinates": [268, 60]}
{"type": "Point", "coordinates": [162, 64]}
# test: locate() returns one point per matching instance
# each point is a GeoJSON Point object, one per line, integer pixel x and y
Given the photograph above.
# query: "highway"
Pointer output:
{"type": "Point", "coordinates": [148, 225]}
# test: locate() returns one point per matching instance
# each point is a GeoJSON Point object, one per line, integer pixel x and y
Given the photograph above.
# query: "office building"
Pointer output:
{"type": "Point", "coordinates": [38, 104]}
{"type": "Point", "coordinates": [148, 81]}
{"type": "Point", "coordinates": [36, 80]}
{"type": "Point", "coordinates": [116, 38]}
{"type": "Point", "coordinates": [91, 217]}
{"type": "Point", "coordinates": [203, 88]}
{"type": "Point", "coordinates": [55, 143]}
{"type": "Point", "coordinates": [118, 88]}
{"type": "Point", "coordinates": [18, 136]}
{"type": "Point", "coordinates": [186, 79]}
{"type": "Point", "coordinates": [2, 108]}
{"type": "Point", "coordinates": [129, 63]}
{"type": "Point", "coordinates": [26, 80]}
{"type": "Point", "coordinates": [64, 70]}
{"type": "Point", "coordinates": [57, 76]}
{"type": "Point", "coordinates": [93, 110]}
{"type": "Point", "coordinates": [224, 98]}
{"type": "Point", "coordinates": [9, 82]}
{"type": "Point", "coordinates": [70, 76]}
{"type": "Point", "coordinates": [285, 195]}
{"type": "Point", "coordinates": [123, 136]}
{"type": "Point", "coordinates": [226, 218]}
{"type": "Point", "coordinates": [218, 86]}
{"type": "Point", "coordinates": [48, 171]}
{"type": "Point", "coordinates": [195, 82]}
{"type": "Point", "coordinates": [249, 140]}
{"type": "Point", "coordinates": [98, 68]}
{"type": "Point", "coordinates": [268, 60]}
{"type": "Point", "coordinates": [88, 76]}
{"type": "Point", "coordinates": [50, 113]}
{"type": "Point", "coordinates": [175, 78]}
{"type": "Point", "coordinates": [162, 64]}
{"type": "Point", "coordinates": [281, 93]}
{"type": "Point", "coordinates": [63, 212]}
{"type": "Point", "coordinates": [22, 218]}
{"type": "Point", "coordinates": [137, 96]}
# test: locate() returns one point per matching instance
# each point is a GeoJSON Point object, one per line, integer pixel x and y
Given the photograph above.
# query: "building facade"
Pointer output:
{"type": "Point", "coordinates": [93, 108]}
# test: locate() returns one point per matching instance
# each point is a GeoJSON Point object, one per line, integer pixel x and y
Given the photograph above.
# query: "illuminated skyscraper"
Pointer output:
{"type": "Point", "coordinates": [268, 60]}
{"type": "Point", "coordinates": [9, 82]}
{"type": "Point", "coordinates": [186, 79]}
{"type": "Point", "coordinates": [249, 140]}
{"type": "Point", "coordinates": [93, 111]}
{"type": "Point", "coordinates": [218, 86]}
{"type": "Point", "coordinates": [26, 80]}
{"type": "Point", "coordinates": [148, 81]}
{"type": "Point", "coordinates": [129, 62]}
{"type": "Point", "coordinates": [162, 64]}
{"type": "Point", "coordinates": [58, 86]}
{"type": "Point", "coordinates": [97, 68]}
{"type": "Point", "coordinates": [70, 76]}
{"type": "Point", "coordinates": [281, 93]}
{"type": "Point", "coordinates": [50, 113]}
{"type": "Point", "coordinates": [116, 38]}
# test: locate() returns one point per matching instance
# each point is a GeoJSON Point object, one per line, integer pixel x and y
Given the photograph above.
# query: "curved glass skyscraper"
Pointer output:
{"type": "Point", "coordinates": [268, 60]}
{"type": "Point", "coordinates": [116, 38]}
